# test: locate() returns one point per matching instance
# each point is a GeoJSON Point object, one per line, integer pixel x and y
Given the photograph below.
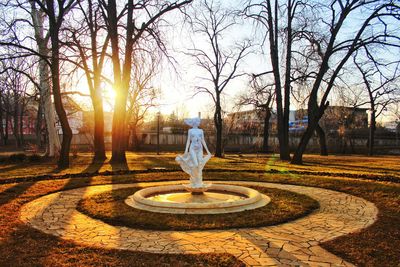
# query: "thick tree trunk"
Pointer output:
{"type": "Point", "coordinates": [301, 148]}
{"type": "Point", "coordinates": [99, 147]}
{"type": "Point", "coordinates": [94, 79]}
{"type": "Point", "coordinates": [38, 125]}
{"type": "Point", "coordinates": [119, 128]}
{"type": "Point", "coordinates": [54, 145]}
{"type": "Point", "coordinates": [287, 86]}
{"type": "Point", "coordinates": [120, 86]}
{"type": "Point", "coordinates": [265, 147]}
{"type": "Point", "coordinates": [314, 114]}
{"type": "Point", "coordinates": [322, 140]}
{"type": "Point", "coordinates": [63, 161]}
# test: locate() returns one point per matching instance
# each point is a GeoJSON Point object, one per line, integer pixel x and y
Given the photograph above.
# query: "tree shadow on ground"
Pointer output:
{"type": "Point", "coordinates": [13, 167]}
{"type": "Point", "coordinates": [46, 250]}
{"type": "Point", "coordinates": [14, 192]}
{"type": "Point", "coordinates": [357, 168]}
{"type": "Point", "coordinates": [94, 167]}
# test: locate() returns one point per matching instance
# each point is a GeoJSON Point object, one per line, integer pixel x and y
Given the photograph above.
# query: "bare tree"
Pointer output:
{"type": "Point", "coordinates": [90, 41]}
{"type": "Point", "coordinates": [261, 97]}
{"type": "Point", "coordinates": [3, 139]}
{"type": "Point", "coordinates": [142, 94]}
{"type": "Point", "coordinates": [336, 47]}
{"type": "Point", "coordinates": [380, 88]}
{"type": "Point", "coordinates": [300, 94]}
{"type": "Point", "coordinates": [278, 19]}
{"type": "Point", "coordinates": [16, 87]}
{"type": "Point", "coordinates": [56, 13]}
{"type": "Point", "coordinates": [141, 20]}
{"type": "Point", "coordinates": [5, 107]}
{"type": "Point", "coordinates": [16, 37]}
{"type": "Point", "coordinates": [42, 41]}
{"type": "Point", "coordinates": [220, 63]}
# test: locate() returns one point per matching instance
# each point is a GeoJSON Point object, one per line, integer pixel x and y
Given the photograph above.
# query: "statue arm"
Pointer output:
{"type": "Point", "coordinates": [187, 143]}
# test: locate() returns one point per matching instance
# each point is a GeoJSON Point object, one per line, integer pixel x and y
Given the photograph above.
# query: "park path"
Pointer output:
{"type": "Point", "coordinates": [290, 244]}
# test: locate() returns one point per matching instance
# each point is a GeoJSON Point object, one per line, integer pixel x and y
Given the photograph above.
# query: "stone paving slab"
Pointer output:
{"type": "Point", "coordinates": [290, 244]}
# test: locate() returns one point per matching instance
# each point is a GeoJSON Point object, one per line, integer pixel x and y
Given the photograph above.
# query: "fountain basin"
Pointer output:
{"type": "Point", "coordinates": [218, 199]}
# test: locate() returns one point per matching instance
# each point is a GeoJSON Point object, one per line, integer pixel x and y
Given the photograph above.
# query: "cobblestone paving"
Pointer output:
{"type": "Point", "coordinates": [290, 244]}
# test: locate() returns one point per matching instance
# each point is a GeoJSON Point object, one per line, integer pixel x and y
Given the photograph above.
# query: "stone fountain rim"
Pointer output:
{"type": "Point", "coordinates": [254, 199]}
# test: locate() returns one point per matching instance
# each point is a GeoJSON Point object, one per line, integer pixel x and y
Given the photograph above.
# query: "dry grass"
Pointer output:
{"type": "Point", "coordinates": [111, 208]}
{"type": "Point", "coordinates": [376, 246]}
{"type": "Point", "coordinates": [335, 164]}
{"type": "Point", "coordinates": [21, 245]}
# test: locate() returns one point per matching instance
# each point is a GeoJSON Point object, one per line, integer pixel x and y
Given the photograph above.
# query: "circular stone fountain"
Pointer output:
{"type": "Point", "coordinates": [196, 197]}
{"type": "Point", "coordinates": [210, 199]}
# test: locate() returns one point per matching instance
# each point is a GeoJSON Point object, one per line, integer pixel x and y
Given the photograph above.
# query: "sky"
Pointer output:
{"type": "Point", "coordinates": [178, 83]}
{"type": "Point", "coordinates": [179, 93]}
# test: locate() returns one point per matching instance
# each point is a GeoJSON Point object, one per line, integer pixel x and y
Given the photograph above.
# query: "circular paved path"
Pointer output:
{"type": "Point", "coordinates": [290, 244]}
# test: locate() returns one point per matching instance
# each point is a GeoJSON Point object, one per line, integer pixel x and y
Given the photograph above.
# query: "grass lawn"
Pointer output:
{"type": "Point", "coordinates": [110, 207]}
{"type": "Point", "coordinates": [377, 245]}
{"type": "Point", "coordinates": [335, 164]}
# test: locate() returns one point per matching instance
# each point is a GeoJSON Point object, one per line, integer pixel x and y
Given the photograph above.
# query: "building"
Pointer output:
{"type": "Point", "coordinates": [392, 126]}
{"type": "Point", "coordinates": [74, 115]}
{"type": "Point", "coordinates": [252, 121]}
{"type": "Point", "coordinates": [246, 122]}
{"type": "Point", "coordinates": [335, 119]}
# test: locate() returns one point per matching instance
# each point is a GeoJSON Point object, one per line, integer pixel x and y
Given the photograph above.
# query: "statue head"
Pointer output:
{"type": "Point", "coordinates": [193, 122]}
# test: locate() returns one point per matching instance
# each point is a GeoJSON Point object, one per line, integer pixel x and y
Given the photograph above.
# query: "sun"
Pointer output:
{"type": "Point", "coordinates": [109, 96]}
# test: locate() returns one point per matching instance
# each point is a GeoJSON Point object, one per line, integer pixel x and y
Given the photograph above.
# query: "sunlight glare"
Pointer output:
{"type": "Point", "coordinates": [109, 95]}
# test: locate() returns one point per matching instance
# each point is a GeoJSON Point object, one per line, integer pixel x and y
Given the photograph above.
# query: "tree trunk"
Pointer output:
{"type": "Point", "coordinates": [16, 122]}
{"type": "Point", "coordinates": [54, 145]}
{"type": "Point", "coordinates": [1, 121]}
{"type": "Point", "coordinates": [265, 147]}
{"type": "Point", "coordinates": [287, 86]}
{"type": "Point", "coordinates": [99, 147]}
{"type": "Point", "coordinates": [301, 148]}
{"type": "Point", "coordinates": [371, 139]}
{"type": "Point", "coordinates": [134, 139]}
{"type": "Point", "coordinates": [322, 140]}
{"type": "Point", "coordinates": [38, 125]}
{"type": "Point", "coordinates": [218, 128]}
{"type": "Point", "coordinates": [314, 114]}
{"type": "Point", "coordinates": [21, 125]}
{"type": "Point", "coordinates": [63, 161]}
{"type": "Point", "coordinates": [5, 140]}
{"type": "Point", "coordinates": [118, 129]}
{"type": "Point", "coordinates": [94, 79]}
{"type": "Point", "coordinates": [120, 86]}
{"type": "Point", "coordinates": [118, 134]}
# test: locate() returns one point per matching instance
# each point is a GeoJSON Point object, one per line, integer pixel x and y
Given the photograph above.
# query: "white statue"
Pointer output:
{"type": "Point", "coordinates": [193, 161]}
